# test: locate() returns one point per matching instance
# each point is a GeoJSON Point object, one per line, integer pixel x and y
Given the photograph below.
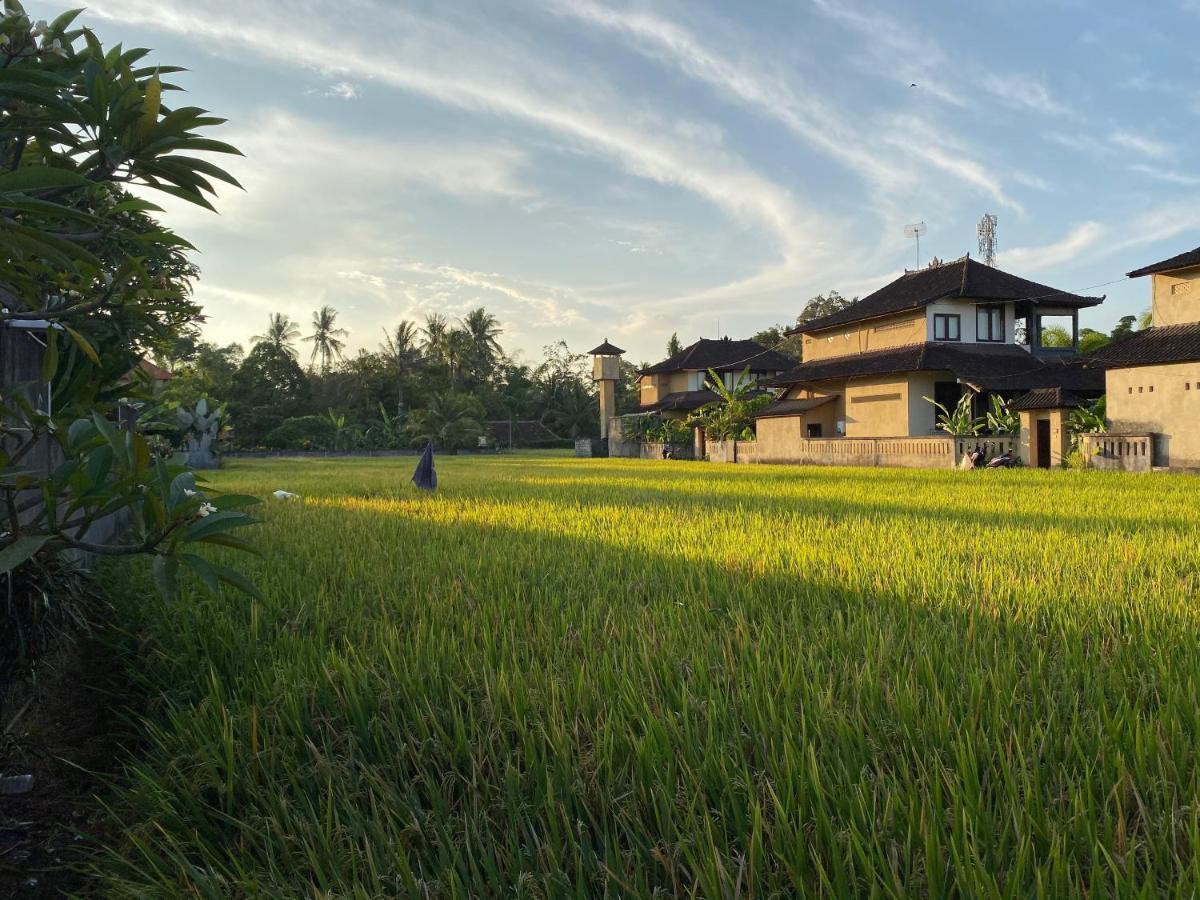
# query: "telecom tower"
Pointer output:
{"type": "Point", "coordinates": [987, 239]}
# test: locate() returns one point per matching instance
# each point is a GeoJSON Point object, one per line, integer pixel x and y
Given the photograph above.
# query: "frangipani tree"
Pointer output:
{"type": "Point", "coordinates": [85, 138]}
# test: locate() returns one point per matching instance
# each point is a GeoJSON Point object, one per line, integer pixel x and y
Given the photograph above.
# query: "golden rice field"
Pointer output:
{"type": "Point", "coordinates": [577, 678]}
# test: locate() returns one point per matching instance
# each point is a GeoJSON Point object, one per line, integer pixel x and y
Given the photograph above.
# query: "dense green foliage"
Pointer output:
{"type": "Point", "coordinates": [731, 417]}
{"type": "Point", "coordinates": [390, 397]}
{"type": "Point", "coordinates": [88, 273]}
{"type": "Point", "coordinates": [559, 677]}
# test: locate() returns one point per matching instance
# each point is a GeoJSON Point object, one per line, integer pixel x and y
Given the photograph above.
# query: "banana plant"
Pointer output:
{"type": "Point", "coordinates": [1001, 419]}
{"type": "Point", "coordinates": [961, 421]}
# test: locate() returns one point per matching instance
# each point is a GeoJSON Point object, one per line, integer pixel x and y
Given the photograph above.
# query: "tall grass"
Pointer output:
{"type": "Point", "coordinates": [562, 678]}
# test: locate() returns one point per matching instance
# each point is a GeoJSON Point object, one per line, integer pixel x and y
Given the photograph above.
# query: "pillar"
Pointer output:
{"type": "Point", "coordinates": [608, 404]}
{"type": "Point", "coordinates": [606, 371]}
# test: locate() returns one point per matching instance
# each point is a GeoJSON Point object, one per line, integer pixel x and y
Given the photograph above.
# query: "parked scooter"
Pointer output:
{"type": "Point", "coordinates": [1003, 461]}
{"type": "Point", "coordinates": [975, 459]}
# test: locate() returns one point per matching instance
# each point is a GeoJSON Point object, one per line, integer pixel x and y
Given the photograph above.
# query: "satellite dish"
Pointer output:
{"type": "Point", "coordinates": [915, 230]}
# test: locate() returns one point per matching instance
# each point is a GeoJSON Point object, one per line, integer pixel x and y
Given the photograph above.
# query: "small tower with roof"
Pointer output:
{"type": "Point", "coordinates": [606, 371]}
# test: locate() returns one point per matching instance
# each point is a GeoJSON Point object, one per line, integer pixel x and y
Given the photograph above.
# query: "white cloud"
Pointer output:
{"type": "Point", "coordinates": [340, 90]}
{"type": "Point", "coordinates": [1167, 175]}
{"type": "Point", "coordinates": [427, 59]}
{"type": "Point", "coordinates": [1023, 92]}
{"type": "Point", "coordinates": [896, 51]}
{"type": "Point", "coordinates": [1031, 259]}
{"type": "Point", "coordinates": [1137, 143]}
{"type": "Point", "coordinates": [552, 309]}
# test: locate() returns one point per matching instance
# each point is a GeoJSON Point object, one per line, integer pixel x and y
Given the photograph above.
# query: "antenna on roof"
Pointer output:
{"type": "Point", "coordinates": [915, 230]}
{"type": "Point", "coordinates": [987, 239]}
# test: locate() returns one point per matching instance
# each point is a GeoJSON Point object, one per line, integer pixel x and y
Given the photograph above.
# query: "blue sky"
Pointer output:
{"type": "Point", "coordinates": [589, 169]}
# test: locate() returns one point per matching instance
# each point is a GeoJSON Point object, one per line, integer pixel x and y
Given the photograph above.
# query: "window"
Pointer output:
{"type": "Point", "coordinates": [989, 323]}
{"type": "Point", "coordinates": [814, 429]}
{"type": "Point", "coordinates": [945, 327]}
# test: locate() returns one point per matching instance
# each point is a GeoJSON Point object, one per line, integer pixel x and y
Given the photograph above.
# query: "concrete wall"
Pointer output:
{"type": "Point", "coordinates": [1163, 401]}
{"type": "Point", "coordinates": [861, 337]}
{"type": "Point", "coordinates": [892, 406]}
{"type": "Point", "coordinates": [782, 440]}
{"type": "Point", "coordinates": [878, 407]}
{"type": "Point", "coordinates": [1118, 452]}
{"type": "Point", "coordinates": [778, 437]}
{"type": "Point", "coordinates": [1176, 297]}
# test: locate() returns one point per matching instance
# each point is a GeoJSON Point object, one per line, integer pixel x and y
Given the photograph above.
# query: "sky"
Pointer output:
{"type": "Point", "coordinates": [588, 169]}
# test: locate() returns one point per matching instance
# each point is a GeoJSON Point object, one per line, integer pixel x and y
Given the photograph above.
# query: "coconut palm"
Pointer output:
{"type": "Point", "coordinates": [325, 337]}
{"type": "Point", "coordinates": [450, 420]}
{"type": "Point", "coordinates": [281, 334]}
{"type": "Point", "coordinates": [482, 345]}
{"type": "Point", "coordinates": [401, 345]}
{"type": "Point", "coordinates": [436, 333]}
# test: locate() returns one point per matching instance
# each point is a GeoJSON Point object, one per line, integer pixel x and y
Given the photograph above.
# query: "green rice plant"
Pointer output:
{"type": "Point", "coordinates": [610, 678]}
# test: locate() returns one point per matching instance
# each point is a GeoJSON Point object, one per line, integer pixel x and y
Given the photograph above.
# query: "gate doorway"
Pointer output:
{"type": "Point", "coordinates": [1043, 443]}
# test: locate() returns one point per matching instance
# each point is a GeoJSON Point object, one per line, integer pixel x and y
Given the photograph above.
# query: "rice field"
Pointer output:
{"type": "Point", "coordinates": [578, 678]}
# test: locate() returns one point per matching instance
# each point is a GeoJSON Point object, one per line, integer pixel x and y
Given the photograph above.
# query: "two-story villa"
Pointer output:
{"type": "Point", "coordinates": [1153, 377]}
{"type": "Point", "coordinates": [677, 385]}
{"type": "Point", "coordinates": [933, 333]}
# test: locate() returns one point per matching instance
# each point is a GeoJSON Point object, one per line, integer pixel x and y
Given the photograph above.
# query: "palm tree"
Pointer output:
{"type": "Point", "coordinates": [280, 334]}
{"type": "Point", "coordinates": [446, 344]}
{"type": "Point", "coordinates": [450, 421]}
{"type": "Point", "coordinates": [483, 331]}
{"type": "Point", "coordinates": [437, 333]}
{"type": "Point", "coordinates": [402, 351]}
{"type": "Point", "coordinates": [325, 337]}
{"type": "Point", "coordinates": [401, 345]}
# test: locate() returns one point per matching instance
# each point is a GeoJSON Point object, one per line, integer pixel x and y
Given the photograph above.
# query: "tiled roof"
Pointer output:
{"type": "Point", "coordinates": [606, 349]}
{"type": "Point", "coordinates": [680, 400]}
{"type": "Point", "coordinates": [962, 279]}
{"type": "Point", "coordinates": [1048, 398]}
{"type": "Point", "coordinates": [1152, 346]}
{"type": "Point", "coordinates": [1182, 261]}
{"type": "Point", "coordinates": [723, 355]}
{"type": "Point", "coordinates": [157, 372]}
{"type": "Point", "coordinates": [687, 401]}
{"type": "Point", "coordinates": [794, 407]}
{"type": "Point", "coordinates": [986, 366]}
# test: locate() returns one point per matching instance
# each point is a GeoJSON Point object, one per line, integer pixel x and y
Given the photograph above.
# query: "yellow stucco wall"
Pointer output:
{"type": "Point", "coordinates": [1163, 400]}
{"type": "Point", "coordinates": [653, 388]}
{"type": "Point", "coordinates": [877, 407]}
{"type": "Point", "coordinates": [861, 337]}
{"type": "Point", "coordinates": [1176, 297]}
{"type": "Point", "coordinates": [777, 437]}
{"type": "Point", "coordinates": [1060, 438]}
